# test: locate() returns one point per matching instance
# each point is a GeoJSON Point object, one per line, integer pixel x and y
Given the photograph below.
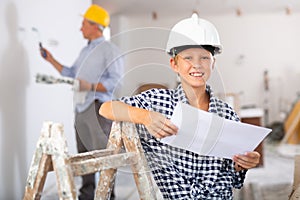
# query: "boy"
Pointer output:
{"type": "Point", "coordinates": [181, 174]}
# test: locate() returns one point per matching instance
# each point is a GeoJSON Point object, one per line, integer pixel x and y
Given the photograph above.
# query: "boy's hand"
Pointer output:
{"type": "Point", "coordinates": [246, 161]}
{"type": "Point", "coordinates": [159, 126]}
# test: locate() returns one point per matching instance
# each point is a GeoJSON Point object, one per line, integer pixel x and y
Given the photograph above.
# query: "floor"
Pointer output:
{"type": "Point", "coordinates": [272, 181]}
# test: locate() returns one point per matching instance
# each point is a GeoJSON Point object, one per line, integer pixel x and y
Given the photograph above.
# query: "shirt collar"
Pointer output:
{"type": "Point", "coordinates": [96, 41]}
{"type": "Point", "coordinates": [180, 95]}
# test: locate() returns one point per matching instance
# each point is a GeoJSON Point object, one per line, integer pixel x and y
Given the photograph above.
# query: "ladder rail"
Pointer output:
{"type": "Point", "coordinates": [141, 171]}
{"type": "Point", "coordinates": [295, 194]}
{"type": "Point", "coordinates": [107, 177]}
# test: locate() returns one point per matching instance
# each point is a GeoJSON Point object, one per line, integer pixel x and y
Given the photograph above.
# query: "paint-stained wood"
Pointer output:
{"type": "Point", "coordinates": [141, 171]}
{"type": "Point", "coordinates": [127, 133]}
{"type": "Point", "coordinates": [34, 188]}
{"type": "Point", "coordinates": [61, 165]}
{"type": "Point", "coordinates": [296, 186]}
{"type": "Point", "coordinates": [40, 165]}
{"type": "Point", "coordinates": [93, 165]}
{"type": "Point", "coordinates": [90, 155]}
{"type": "Point", "coordinates": [52, 154]}
{"type": "Point", "coordinates": [107, 177]}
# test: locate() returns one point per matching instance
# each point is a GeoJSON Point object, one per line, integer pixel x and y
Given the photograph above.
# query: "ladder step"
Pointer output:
{"type": "Point", "coordinates": [90, 155]}
{"type": "Point", "coordinates": [102, 163]}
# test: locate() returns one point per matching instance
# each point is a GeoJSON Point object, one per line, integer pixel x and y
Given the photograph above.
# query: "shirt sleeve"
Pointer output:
{"type": "Point", "coordinates": [238, 177]}
{"type": "Point", "coordinates": [71, 71]}
{"type": "Point", "coordinates": [68, 72]}
{"type": "Point", "coordinates": [141, 100]}
{"type": "Point", "coordinates": [114, 70]}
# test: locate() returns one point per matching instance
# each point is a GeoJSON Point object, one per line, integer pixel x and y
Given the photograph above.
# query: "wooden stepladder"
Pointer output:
{"type": "Point", "coordinates": [295, 194]}
{"type": "Point", "coordinates": [52, 155]}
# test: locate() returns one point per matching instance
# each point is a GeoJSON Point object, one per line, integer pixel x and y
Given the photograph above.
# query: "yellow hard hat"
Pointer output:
{"type": "Point", "coordinates": [98, 15]}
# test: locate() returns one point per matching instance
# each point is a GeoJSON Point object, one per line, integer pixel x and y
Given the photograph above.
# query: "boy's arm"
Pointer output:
{"type": "Point", "coordinates": [119, 111]}
{"type": "Point", "coordinates": [157, 124]}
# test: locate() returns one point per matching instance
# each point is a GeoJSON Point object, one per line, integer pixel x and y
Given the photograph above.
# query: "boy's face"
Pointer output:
{"type": "Point", "coordinates": [194, 66]}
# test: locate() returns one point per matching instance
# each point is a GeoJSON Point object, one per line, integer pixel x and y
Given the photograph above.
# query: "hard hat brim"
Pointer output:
{"type": "Point", "coordinates": [176, 50]}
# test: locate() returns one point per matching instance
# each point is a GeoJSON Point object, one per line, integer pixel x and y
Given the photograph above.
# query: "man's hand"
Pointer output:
{"type": "Point", "coordinates": [84, 85]}
{"type": "Point", "coordinates": [159, 126]}
{"type": "Point", "coordinates": [246, 161]}
{"type": "Point", "coordinates": [46, 54]}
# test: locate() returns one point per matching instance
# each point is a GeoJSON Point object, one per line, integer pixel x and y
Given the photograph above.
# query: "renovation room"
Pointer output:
{"type": "Point", "coordinates": [257, 74]}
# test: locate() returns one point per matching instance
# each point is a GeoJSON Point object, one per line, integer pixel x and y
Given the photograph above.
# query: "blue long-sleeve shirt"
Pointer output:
{"type": "Point", "coordinates": [99, 62]}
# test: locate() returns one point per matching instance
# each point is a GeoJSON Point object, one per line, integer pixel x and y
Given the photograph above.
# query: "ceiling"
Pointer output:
{"type": "Point", "coordinates": [163, 8]}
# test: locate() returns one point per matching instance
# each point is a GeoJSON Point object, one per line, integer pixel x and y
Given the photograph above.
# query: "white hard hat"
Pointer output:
{"type": "Point", "coordinates": [193, 31]}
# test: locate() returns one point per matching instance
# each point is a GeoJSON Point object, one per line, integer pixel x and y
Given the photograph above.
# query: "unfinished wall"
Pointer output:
{"type": "Point", "coordinates": [252, 44]}
{"type": "Point", "coordinates": [24, 105]}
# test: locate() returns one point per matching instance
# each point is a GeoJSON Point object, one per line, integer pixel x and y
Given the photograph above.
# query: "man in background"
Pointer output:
{"type": "Point", "coordinates": [97, 70]}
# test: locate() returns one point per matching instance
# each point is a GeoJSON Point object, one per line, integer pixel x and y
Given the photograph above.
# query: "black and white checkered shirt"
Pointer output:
{"type": "Point", "coordinates": [182, 174]}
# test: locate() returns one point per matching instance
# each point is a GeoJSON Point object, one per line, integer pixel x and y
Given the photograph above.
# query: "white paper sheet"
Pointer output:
{"type": "Point", "coordinates": [208, 134]}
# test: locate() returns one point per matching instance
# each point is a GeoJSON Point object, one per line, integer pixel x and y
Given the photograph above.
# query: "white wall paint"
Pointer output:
{"type": "Point", "coordinates": [145, 58]}
{"type": "Point", "coordinates": [24, 105]}
{"type": "Point", "coordinates": [267, 42]}
{"type": "Point", "coordinates": [252, 44]}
